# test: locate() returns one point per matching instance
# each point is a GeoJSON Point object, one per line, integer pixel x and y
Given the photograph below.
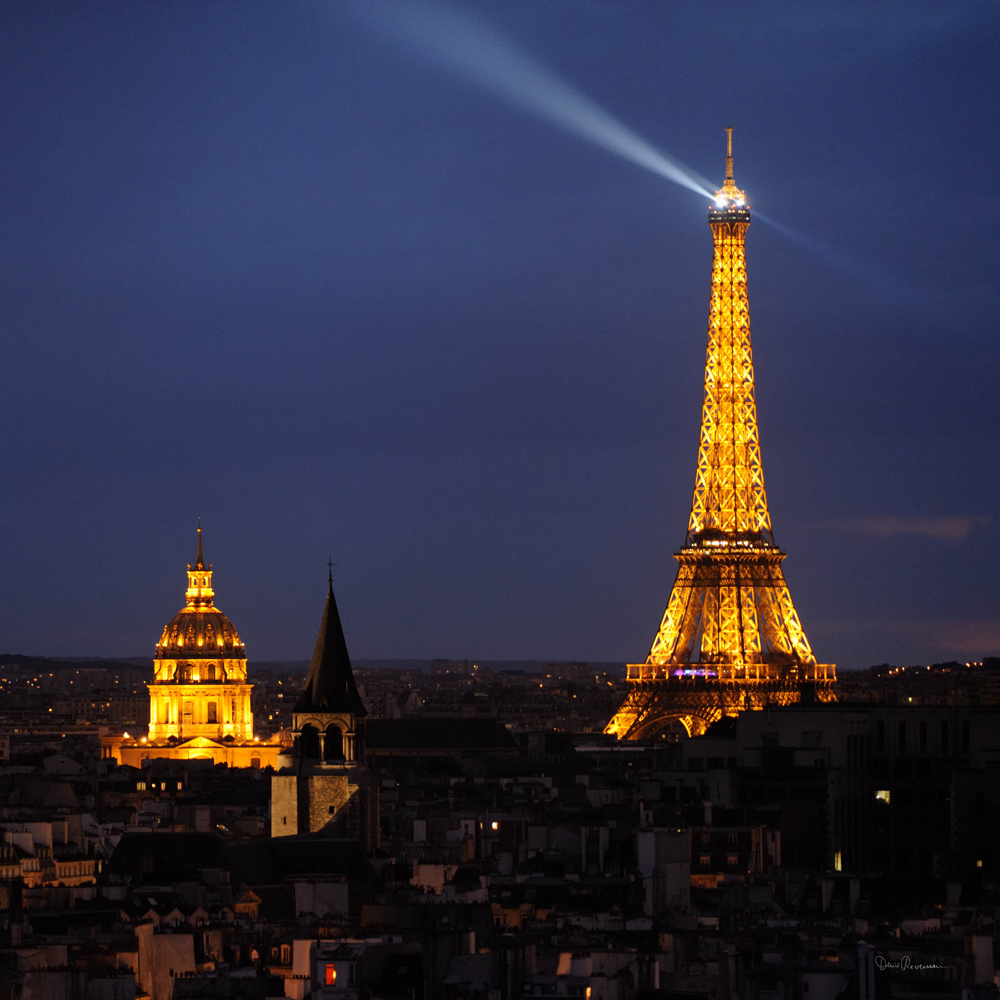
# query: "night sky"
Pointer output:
{"type": "Point", "coordinates": [263, 265]}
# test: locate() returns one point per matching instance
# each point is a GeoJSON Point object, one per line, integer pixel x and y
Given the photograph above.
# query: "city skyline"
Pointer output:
{"type": "Point", "coordinates": [348, 302]}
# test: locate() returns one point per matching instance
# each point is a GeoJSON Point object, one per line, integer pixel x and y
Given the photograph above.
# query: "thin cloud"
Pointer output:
{"type": "Point", "coordinates": [948, 527]}
{"type": "Point", "coordinates": [973, 636]}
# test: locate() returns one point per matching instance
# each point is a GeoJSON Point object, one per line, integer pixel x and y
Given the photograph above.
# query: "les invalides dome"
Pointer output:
{"type": "Point", "coordinates": [199, 698]}
{"type": "Point", "coordinates": [200, 631]}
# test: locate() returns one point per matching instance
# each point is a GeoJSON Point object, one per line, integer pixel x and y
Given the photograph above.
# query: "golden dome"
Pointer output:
{"type": "Point", "coordinates": [201, 630]}
{"type": "Point", "coordinates": [200, 633]}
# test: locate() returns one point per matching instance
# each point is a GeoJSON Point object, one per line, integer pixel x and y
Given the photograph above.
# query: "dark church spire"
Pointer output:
{"type": "Point", "coordinates": [330, 685]}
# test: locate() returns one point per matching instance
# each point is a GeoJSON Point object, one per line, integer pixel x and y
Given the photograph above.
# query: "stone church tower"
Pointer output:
{"type": "Point", "coordinates": [323, 785]}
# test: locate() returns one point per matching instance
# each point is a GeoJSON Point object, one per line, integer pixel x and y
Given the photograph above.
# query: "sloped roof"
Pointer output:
{"type": "Point", "coordinates": [272, 861]}
{"type": "Point", "coordinates": [472, 971]}
{"type": "Point", "coordinates": [330, 684]}
{"type": "Point", "coordinates": [276, 903]}
{"type": "Point", "coordinates": [165, 857]}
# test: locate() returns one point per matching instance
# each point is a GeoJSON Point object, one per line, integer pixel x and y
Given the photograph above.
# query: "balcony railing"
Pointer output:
{"type": "Point", "coordinates": [727, 672]}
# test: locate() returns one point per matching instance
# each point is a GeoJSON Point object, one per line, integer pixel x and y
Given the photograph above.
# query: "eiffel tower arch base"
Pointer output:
{"type": "Point", "coordinates": [653, 705]}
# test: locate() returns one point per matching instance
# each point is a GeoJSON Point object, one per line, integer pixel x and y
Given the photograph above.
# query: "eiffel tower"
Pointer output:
{"type": "Point", "coordinates": [730, 639]}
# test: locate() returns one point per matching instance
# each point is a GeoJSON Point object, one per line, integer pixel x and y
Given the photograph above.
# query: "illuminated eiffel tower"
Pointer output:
{"type": "Point", "coordinates": [730, 638]}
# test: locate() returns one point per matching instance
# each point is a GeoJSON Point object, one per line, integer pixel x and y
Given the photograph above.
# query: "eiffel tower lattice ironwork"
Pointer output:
{"type": "Point", "coordinates": [730, 639]}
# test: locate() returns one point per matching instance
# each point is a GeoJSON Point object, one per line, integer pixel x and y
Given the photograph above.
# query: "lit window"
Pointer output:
{"type": "Point", "coordinates": [331, 975]}
{"type": "Point", "coordinates": [883, 795]}
{"type": "Point", "coordinates": [732, 860]}
{"type": "Point", "coordinates": [704, 860]}
{"type": "Point", "coordinates": [838, 862]}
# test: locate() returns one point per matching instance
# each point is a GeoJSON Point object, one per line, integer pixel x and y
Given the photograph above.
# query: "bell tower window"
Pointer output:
{"type": "Point", "coordinates": [333, 743]}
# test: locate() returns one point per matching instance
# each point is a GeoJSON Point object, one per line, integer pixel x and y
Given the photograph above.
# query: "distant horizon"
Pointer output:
{"type": "Point", "coordinates": [393, 663]}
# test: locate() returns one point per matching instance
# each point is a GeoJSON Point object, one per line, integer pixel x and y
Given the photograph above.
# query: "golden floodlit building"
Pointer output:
{"type": "Point", "coordinates": [199, 698]}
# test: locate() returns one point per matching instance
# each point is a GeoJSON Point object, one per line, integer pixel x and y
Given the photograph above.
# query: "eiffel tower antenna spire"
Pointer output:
{"type": "Point", "coordinates": [730, 638]}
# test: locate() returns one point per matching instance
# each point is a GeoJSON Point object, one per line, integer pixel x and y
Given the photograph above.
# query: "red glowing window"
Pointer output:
{"type": "Point", "coordinates": [331, 975]}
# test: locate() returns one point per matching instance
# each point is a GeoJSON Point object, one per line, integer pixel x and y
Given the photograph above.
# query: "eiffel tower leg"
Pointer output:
{"type": "Point", "coordinates": [645, 712]}
{"type": "Point", "coordinates": [663, 710]}
{"type": "Point", "coordinates": [632, 710]}
{"type": "Point", "coordinates": [694, 724]}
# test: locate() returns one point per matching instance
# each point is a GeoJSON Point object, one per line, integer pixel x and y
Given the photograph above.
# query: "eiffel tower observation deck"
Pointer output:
{"type": "Point", "coordinates": [730, 639]}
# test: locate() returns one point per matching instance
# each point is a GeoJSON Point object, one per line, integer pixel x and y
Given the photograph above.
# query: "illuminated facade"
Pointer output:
{"type": "Point", "coordinates": [730, 637]}
{"type": "Point", "coordinates": [199, 698]}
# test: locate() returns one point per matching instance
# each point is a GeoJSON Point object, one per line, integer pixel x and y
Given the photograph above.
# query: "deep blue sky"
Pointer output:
{"type": "Point", "coordinates": [261, 265]}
